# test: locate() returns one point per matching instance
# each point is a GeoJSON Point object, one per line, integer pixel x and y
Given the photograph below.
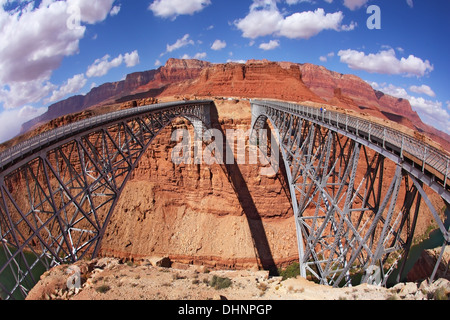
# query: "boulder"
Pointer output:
{"type": "Point", "coordinates": [163, 262]}
{"type": "Point", "coordinates": [424, 266]}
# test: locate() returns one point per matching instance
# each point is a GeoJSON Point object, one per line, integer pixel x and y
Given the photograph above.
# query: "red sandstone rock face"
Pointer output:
{"type": "Point", "coordinates": [253, 79]}
{"type": "Point", "coordinates": [323, 82]}
{"type": "Point", "coordinates": [217, 215]}
{"type": "Point", "coordinates": [210, 221]}
{"type": "Point", "coordinates": [174, 71]}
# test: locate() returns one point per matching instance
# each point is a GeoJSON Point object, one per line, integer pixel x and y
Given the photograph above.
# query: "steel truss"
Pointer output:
{"type": "Point", "coordinates": [56, 200]}
{"type": "Point", "coordinates": [355, 209]}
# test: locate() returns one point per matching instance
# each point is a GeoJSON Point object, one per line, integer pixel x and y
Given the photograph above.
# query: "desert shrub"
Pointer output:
{"type": "Point", "coordinates": [219, 282]}
{"type": "Point", "coordinates": [103, 288]}
{"type": "Point", "coordinates": [440, 294]}
{"type": "Point", "coordinates": [291, 271]}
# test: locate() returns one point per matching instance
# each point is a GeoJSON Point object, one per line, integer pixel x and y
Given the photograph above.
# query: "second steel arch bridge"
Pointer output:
{"type": "Point", "coordinates": [352, 215]}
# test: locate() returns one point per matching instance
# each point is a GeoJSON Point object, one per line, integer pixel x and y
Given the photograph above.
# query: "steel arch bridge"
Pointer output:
{"type": "Point", "coordinates": [351, 213]}
{"type": "Point", "coordinates": [59, 189]}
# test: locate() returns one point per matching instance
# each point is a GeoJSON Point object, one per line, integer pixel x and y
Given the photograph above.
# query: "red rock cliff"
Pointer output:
{"type": "Point", "coordinates": [254, 79]}
{"type": "Point", "coordinates": [261, 79]}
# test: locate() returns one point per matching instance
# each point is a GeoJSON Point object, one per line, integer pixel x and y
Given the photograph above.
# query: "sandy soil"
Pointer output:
{"type": "Point", "coordinates": [109, 279]}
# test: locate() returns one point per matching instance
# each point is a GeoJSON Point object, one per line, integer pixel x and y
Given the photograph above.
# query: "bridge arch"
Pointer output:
{"type": "Point", "coordinates": [356, 190]}
{"type": "Point", "coordinates": [58, 190]}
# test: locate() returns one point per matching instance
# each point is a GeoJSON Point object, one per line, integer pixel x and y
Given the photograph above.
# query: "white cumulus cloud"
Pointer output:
{"type": "Point", "coordinates": [199, 56]}
{"type": "Point", "coordinates": [385, 62]}
{"type": "Point", "coordinates": [11, 120]}
{"type": "Point", "coordinates": [218, 45]}
{"type": "Point", "coordinates": [265, 19]}
{"type": "Point", "coordinates": [305, 25]}
{"type": "Point", "coordinates": [180, 43]}
{"type": "Point", "coordinates": [101, 66]}
{"type": "Point", "coordinates": [272, 44]}
{"type": "Point", "coordinates": [18, 94]}
{"type": "Point", "coordinates": [35, 37]}
{"type": "Point", "coordinates": [73, 85]}
{"type": "Point", "coordinates": [92, 11]}
{"type": "Point", "coordinates": [354, 4]}
{"type": "Point", "coordinates": [33, 41]}
{"type": "Point", "coordinates": [174, 8]}
{"type": "Point", "coordinates": [115, 11]}
{"type": "Point", "coordinates": [423, 89]}
{"type": "Point", "coordinates": [259, 23]}
{"type": "Point", "coordinates": [131, 59]}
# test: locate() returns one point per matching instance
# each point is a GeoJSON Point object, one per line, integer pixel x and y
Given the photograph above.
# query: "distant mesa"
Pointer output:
{"type": "Point", "coordinates": [253, 79]}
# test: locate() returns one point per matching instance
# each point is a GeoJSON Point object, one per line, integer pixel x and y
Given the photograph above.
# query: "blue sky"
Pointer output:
{"type": "Point", "coordinates": [53, 49]}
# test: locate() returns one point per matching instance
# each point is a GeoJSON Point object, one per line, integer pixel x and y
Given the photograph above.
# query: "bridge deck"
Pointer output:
{"type": "Point", "coordinates": [30, 146]}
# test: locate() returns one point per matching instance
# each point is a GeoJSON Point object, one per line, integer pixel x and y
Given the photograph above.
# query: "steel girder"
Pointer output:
{"type": "Point", "coordinates": [56, 202]}
{"type": "Point", "coordinates": [355, 210]}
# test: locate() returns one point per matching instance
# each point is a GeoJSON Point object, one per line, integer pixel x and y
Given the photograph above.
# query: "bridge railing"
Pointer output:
{"type": "Point", "coordinates": [57, 134]}
{"type": "Point", "coordinates": [422, 154]}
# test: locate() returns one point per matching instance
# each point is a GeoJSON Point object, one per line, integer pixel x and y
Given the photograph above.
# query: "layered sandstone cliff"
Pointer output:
{"type": "Point", "coordinates": [223, 216]}
{"type": "Point", "coordinates": [151, 82]}
{"type": "Point", "coordinates": [255, 79]}
{"type": "Point", "coordinates": [226, 216]}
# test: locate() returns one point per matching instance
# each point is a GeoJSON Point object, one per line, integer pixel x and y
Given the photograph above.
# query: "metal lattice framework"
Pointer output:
{"type": "Point", "coordinates": [356, 190]}
{"type": "Point", "coordinates": [59, 189]}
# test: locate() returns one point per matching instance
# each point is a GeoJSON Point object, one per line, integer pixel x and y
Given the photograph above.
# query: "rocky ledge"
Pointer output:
{"type": "Point", "coordinates": [158, 279]}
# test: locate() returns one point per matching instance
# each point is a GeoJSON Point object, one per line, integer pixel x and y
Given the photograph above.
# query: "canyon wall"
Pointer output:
{"type": "Point", "coordinates": [255, 79]}
{"type": "Point", "coordinates": [151, 81]}
{"type": "Point", "coordinates": [226, 216]}
{"type": "Point", "coordinates": [351, 92]}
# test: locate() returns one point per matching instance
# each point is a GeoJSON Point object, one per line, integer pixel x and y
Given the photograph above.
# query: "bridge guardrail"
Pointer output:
{"type": "Point", "coordinates": [27, 146]}
{"type": "Point", "coordinates": [429, 156]}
